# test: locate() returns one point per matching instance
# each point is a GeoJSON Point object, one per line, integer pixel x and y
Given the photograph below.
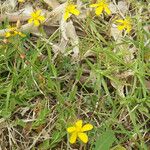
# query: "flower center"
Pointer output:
{"type": "Point", "coordinates": [78, 130]}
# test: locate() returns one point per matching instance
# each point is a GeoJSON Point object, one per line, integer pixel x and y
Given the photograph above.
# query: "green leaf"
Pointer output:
{"type": "Point", "coordinates": [105, 141]}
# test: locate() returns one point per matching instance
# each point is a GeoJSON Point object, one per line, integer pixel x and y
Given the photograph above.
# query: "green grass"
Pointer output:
{"type": "Point", "coordinates": [41, 95]}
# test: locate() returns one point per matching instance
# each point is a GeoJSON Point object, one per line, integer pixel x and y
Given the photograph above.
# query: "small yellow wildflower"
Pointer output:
{"type": "Point", "coordinates": [70, 9]}
{"type": "Point", "coordinates": [36, 18]}
{"type": "Point", "coordinates": [21, 1]}
{"type": "Point", "coordinates": [78, 131]}
{"type": "Point", "coordinates": [101, 6]}
{"type": "Point", "coordinates": [13, 31]}
{"type": "Point", "coordinates": [124, 24]}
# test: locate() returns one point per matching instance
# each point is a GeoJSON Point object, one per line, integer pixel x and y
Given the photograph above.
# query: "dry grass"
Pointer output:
{"type": "Point", "coordinates": [81, 69]}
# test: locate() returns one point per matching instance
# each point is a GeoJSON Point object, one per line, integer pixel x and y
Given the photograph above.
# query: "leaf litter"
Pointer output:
{"type": "Point", "coordinates": [68, 36]}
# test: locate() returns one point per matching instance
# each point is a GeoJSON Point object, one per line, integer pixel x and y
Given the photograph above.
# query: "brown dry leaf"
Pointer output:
{"type": "Point", "coordinates": [85, 10]}
{"type": "Point", "coordinates": [68, 35]}
{"type": "Point", "coordinates": [27, 129]}
{"type": "Point", "coordinates": [45, 134]}
{"type": "Point", "coordinates": [125, 74]}
{"type": "Point", "coordinates": [129, 57]}
{"type": "Point", "coordinates": [74, 39]}
{"type": "Point", "coordinates": [54, 17]}
{"type": "Point", "coordinates": [128, 52]}
{"type": "Point", "coordinates": [24, 110]}
{"type": "Point", "coordinates": [52, 3]}
{"type": "Point", "coordinates": [115, 33]}
{"type": "Point", "coordinates": [2, 123]}
{"type": "Point", "coordinates": [30, 28]}
{"type": "Point", "coordinates": [26, 11]}
{"type": "Point", "coordinates": [147, 28]}
{"type": "Point", "coordinates": [21, 15]}
{"type": "Point", "coordinates": [122, 7]}
{"type": "Point", "coordinates": [113, 8]}
{"type": "Point", "coordinates": [148, 85]}
{"type": "Point", "coordinates": [122, 77]}
{"type": "Point", "coordinates": [8, 6]}
{"type": "Point", "coordinates": [119, 87]}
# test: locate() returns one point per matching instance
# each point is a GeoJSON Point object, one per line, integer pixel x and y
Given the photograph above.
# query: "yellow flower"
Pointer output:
{"type": "Point", "coordinates": [101, 6]}
{"type": "Point", "coordinates": [36, 18]}
{"type": "Point", "coordinates": [70, 9]}
{"type": "Point", "coordinates": [124, 24]}
{"type": "Point", "coordinates": [13, 31]}
{"type": "Point", "coordinates": [21, 1]}
{"type": "Point", "coordinates": [78, 131]}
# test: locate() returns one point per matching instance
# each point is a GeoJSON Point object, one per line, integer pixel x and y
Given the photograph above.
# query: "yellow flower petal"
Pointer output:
{"type": "Point", "coordinates": [21, 34]}
{"type": "Point", "coordinates": [66, 15]}
{"type": "Point", "coordinates": [83, 137]}
{"type": "Point", "coordinates": [30, 20]}
{"type": "Point", "coordinates": [15, 33]}
{"type": "Point", "coordinates": [73, 138]}
{"type": "Point", "coordinates": [38, 12]}
{"type": "Point", "coordinates": [70, 9]}
{"type": "Point", "coordinates": [7, 34]}
{"type": "Point", "coordinates": [87, 127]}
{"type": "Point", "coordinates": [120, 21]}
{"type": "Point", "coordinates": [128, 29]}
{"type": "Point", "coordinates": [36, 23]}
{"type": "Point", "coordinates": [70, 6]}
{"type": "Point", "coordinates": [71, 129]}
{"type": "Point", "coordinates": [121, 27]}
{"type": "Point", "coordinates": [21, 1]}
{"type": "Point", "coordinates": [33, 15]}
{"type": "Point", "coordinates": [107, 10]}
{"type": "Point", "coordinates": [36, 18]}
{"type": "Point", "coordinates": [75, 12]}
{"type": "Point", "coordinates": [41, 18]}
{"type": "Point", "coordinates": [100, 6]}
{"type": "Point", "coordinates": [124, 24]}
{"type": "Point", "coordinates": [98, 11]}
{"type": "Point", "coordinates": [79, 124]}
{"type": "Point", "coordinates": [94, 5]}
